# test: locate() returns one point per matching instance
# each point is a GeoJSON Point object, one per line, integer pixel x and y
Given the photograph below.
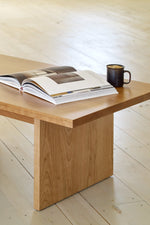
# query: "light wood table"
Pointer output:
{"type": "Point", "coordinates": [73, 145]}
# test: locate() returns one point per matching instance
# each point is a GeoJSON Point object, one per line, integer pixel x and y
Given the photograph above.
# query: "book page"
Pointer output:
{"type": "Point", "coordinates": [68, 82]}
{"type": "Point", "coordinates": [21, 76]}
{"type": "Point", "coordinates": [59, 69]}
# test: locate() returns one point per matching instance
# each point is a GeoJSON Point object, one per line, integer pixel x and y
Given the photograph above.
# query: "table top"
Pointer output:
{"type": "Point", "coordinates": [27, 107]}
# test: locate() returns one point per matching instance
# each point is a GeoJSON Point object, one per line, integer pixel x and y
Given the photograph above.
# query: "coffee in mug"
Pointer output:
{"type": "Point", "coordinates": [115, 75]}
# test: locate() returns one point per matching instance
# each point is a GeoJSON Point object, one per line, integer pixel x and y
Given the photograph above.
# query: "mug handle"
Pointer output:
{"type": "Point", "coordinates": [126, 71]}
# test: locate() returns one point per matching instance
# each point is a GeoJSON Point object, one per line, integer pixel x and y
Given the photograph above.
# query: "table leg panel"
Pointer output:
{"type": "Point", "coordinates": [67, 160]}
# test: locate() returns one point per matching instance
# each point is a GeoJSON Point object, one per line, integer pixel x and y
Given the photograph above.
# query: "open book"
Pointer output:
{"type": "Point", "coordinates": [59, 84]}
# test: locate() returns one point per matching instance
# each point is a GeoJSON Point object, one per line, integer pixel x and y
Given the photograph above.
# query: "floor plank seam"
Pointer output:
{"type": "Point", "coordinates": [139, 113]}
{"type": "Point", "coordinates": [132, 157]}
{"type": "Point", "coordinates": [57, 205]}
{"type": "Point", "coordinates": [136, 139]}
{"type": "Point", "coordinates": [95, 209]}
{"type": "Point", "coordinates": [11, 152]}
{"type": "Point", "coordinates": [20, 131]}
{"type": "Point", "coordinates": [138, 195]}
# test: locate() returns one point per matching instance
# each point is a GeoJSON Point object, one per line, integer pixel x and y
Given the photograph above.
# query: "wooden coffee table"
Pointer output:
{"type": "Point", "coordinates": [73, 145]}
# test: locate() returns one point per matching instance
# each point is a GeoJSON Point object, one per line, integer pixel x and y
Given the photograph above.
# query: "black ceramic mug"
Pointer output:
{"type": "Point", "coordinates": [115, 75]}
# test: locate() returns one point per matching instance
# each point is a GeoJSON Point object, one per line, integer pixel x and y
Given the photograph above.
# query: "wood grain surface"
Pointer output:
{"type": "Point", "coordinates": [69, 160]}
{"type": "Point", "coordinates": [71, 114]}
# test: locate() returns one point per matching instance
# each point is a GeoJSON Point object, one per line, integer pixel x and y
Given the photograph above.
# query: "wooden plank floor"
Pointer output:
{"type": "Point", "coordinates": [88, 35]}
